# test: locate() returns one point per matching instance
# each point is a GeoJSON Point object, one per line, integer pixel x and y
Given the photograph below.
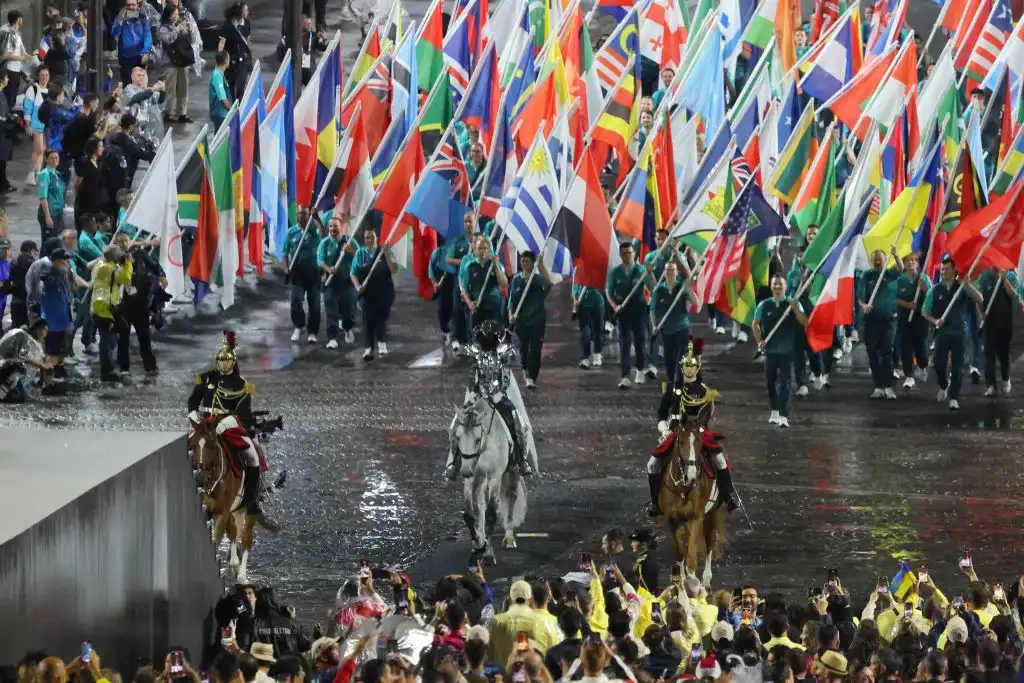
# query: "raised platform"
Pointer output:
{"type": "Point", "coordinates": [102, 538]}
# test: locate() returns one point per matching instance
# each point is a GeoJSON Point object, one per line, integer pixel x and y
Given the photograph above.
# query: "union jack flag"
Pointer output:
{"type": "Point", "coordinates": [379, 82]}
{"type": "Point", "coordinates": [450, 165]}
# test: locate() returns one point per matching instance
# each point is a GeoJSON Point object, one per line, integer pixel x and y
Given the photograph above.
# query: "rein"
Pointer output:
{"type": "Point", "coordinates": [483, 437]}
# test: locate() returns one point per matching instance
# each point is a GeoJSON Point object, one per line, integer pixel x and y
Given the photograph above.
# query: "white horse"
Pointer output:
{"type": "Point", "coordinates": [489, 482]}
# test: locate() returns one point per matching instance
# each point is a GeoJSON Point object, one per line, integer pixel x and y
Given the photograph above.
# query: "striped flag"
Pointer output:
{"type": "Point", "coordinates": [613, 57]}
{"type": "Point", "coordinates": [725, 253]}
{"type": "Point", "coordinates": [536, 202]}
{"type": "Point", "coordinates": [991, 41]}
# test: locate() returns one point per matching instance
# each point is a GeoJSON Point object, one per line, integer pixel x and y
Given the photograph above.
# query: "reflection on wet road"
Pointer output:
{"type": "Point", "coordinates": [854, 484]}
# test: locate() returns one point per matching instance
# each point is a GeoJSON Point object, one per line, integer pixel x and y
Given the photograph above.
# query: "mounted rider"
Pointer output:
{"type": "Point", "coordinates": [492, 356]}
{"type": "Point", "coordinates": [223, 396]}
{"type": "Point", "coordinates": [693, 401]}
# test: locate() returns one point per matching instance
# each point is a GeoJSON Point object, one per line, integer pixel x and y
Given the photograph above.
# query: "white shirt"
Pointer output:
{"type": "Point", "coordinates": [16, 48]}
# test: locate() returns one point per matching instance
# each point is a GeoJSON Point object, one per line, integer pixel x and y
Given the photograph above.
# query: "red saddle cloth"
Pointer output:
{"type": "Point", "coordinates": [708, 439]}
{"type": "Point", "coordinates": [235, 438]}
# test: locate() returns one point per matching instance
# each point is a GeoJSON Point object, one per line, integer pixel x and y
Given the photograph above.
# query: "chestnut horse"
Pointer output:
{"type": "Point", "coordinates": [220, 486]}
{"type": "Point", "coordinates": [686, 489]}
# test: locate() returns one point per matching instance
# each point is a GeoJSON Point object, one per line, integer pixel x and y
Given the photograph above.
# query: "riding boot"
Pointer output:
{"type": "Point", "coordinates": [451, 468]}
{"type": "Point", "coordinates": [654, 482]}
{"type": "Point", "coordinates": [525, 467]}
{"type": "Point", "coordinates": [726, 492]}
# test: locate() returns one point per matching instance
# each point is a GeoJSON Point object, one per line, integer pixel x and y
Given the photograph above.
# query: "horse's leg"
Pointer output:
{"type": "Point", "coordinates": [694, 528]}
{"type": "Point", "coordinates": [509, 492]}
{"type": "Point", "coordinates": [710, 545]}
{"type": "Point", "coordinates": [248, 529]}
{"type": "Point", "coordinates": [481, 494]}
{"type": "Point", "coordinates": [235, 530]}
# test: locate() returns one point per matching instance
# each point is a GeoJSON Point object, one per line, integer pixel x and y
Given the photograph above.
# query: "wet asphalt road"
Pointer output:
{"type": "Point", "coordinates": [854, 484]}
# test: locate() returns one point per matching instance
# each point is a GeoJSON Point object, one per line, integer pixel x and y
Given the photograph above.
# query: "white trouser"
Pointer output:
{"type": "Point", "coordinates": [250, 455]}
{"type": "Point", "coordinates": [656, 465]}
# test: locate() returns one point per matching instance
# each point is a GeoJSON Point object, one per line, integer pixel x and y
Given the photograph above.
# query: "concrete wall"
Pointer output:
{"type": "Point", "coordinates": [127, 565]}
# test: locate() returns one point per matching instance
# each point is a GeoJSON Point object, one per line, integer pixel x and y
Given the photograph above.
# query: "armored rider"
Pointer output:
{"type": "Point", "coordinates": [223, 395]}
{"type": "Point", "coordinates": [492, 357]}
{"type": "Point", "coordinates": [692, 400]}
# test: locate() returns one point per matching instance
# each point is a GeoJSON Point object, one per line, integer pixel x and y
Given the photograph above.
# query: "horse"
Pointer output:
{"type": "Point", "coordinates": [489, 480]}
{"type": "Point", "coordinates": [220, 486]}
{"type": "Point", "coordinates": [687, 487]}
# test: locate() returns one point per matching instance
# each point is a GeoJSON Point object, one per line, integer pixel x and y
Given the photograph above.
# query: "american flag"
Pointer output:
{"type": "Point", "coordinates": [992, 39]}
{"type": "Point", "coordinates": [725, 253]}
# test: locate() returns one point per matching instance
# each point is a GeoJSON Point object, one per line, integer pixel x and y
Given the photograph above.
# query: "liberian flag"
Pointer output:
{"type": "Point", "coordinates": [835, 303]}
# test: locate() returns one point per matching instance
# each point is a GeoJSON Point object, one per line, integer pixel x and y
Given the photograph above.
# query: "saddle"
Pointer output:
{"type": "Point", "coordinates": [233, 442]}
{"type": "Point", "coordinates": [709, 442]}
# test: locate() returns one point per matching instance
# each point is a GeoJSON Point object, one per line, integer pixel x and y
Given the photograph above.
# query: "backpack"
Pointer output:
{"type": "Point", "coordinates": [45, 111]}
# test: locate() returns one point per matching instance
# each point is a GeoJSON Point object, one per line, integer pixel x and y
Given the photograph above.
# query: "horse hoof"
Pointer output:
{"type": "Point", "coordinates": [510, 542]}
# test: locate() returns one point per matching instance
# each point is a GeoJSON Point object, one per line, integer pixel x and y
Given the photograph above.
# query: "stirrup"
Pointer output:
{"type": "Point", "coordinates": [451, 472]}
{"type": "Point", "coordinates": [653, 510]}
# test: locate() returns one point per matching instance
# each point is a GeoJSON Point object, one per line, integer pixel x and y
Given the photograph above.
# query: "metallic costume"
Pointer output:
{"type": "Point", "coordinates": [492, 357]}
{"type": "Point", "coordinates": [226, 399]}
{"type": "Point", "coordinates": [692, 401]}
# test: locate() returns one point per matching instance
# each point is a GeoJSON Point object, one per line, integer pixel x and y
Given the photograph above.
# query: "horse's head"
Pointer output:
{"type": "Point", "coordinates": [469, 427]}
{"type": "Point", "coordinates": [687, 447]}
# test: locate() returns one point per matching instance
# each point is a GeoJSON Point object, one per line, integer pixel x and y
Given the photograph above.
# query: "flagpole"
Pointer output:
{"type": "Point", "coordinates": [726, 158]}
{"type": "Point", "coordinates": [362, 81]}
{"type": "Point", "coordinates": [135, 194]}
{"type": "Point", "coordinates": [810, 278]}
{"type": "Point", "coordinates": [828, 35]}
{"type": "Point", "coordinates": [415, 130]}
{"type": "Point", "coordinates": [804, 187]}
{"type": "Point", "coordinates": [280, 71]}
{"type": "Point", "coordinates": [931, 36]}
{"type": "Point", "coordinates": [906, 214]}
{"type": "Point", "coordinates": [984, 247]}
{"type": "Point", "coordinates": [337, 156]}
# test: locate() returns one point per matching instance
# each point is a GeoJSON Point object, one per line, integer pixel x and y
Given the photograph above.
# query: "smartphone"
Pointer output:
{"type": "Point", "coordinates": [883, 584]}
{"type": "Point", "coordinates": [86, 652]}
{"type": "Point", "coordinates": [922, 575]}
{"type": "Point", "coordinates": [965, 561]}
{"type": "Point", "coordinates": [177, 658]}
{"type": "Point", "coordinates": [570, 597]}
{"type": "Point", "coordinates": [585, 561]}
{"type": "Point", "coordinates": [522, 642]}
{"type": "Point", "coordinates": [656, 613]}
{"type": "Point", "coordinates": [227, 635]}
{"type": "Point", "coordinates": [519, 673]}
{"type": "Point", "coordinates": [364, 569]}
{"type": "Point", "coordinates": [908, 610]}
{"type": "Point", "coordinates": [695, 654]}
{"type": "Point", "coordinates": [748, 616]}
{"type": "Point", "coordinates": [392, 646]}
{"type": "Point", "coordinates": [675, 572]}
{"type": "Point", "coordinates": [998, 592]}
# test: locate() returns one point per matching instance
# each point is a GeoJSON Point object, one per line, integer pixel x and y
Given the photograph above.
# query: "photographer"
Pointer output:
{"type": "Point", "coordinates": [134, 309]}
{"type": "Point", "coordinates": [176, 44]}
{"type": "Point", "coordinates": [108, 277]}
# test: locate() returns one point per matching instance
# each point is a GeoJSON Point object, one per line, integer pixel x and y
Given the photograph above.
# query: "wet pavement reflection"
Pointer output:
{"type": "Point", "coordinates": [853, 484]}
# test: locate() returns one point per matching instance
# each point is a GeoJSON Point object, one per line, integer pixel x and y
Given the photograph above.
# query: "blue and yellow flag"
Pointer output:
{"type": "Point", "coordinates": [327, 115]}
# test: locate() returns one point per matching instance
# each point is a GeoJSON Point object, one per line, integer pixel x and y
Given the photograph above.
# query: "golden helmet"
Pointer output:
{"type": "Point", "coordinates": [690, 363]}
{"type": "Point", "coordinates": [227, 349]}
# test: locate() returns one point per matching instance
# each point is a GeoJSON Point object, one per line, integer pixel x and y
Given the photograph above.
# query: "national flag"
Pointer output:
{"type": "Point", "coordinates": [396, 188]}
{"type": "Point", "coordinates": [761, 28]}
{"type": "Point", "coordinates": [835, 303]}
{"type": "Point", "coordinates": [1011, 167]}
{"type": "Point", "coordinates": [436, 116]}
{"type": "Point", "coordinates": [189, 179]}
{"type": "Point", "coordinates": [520, 84]}
{"type": "Point", "coordinates": [630, 214]}
{"type": "Point", "coordinates": [706, 206]}
{"type": "Point", "coordinates": [617, 10]}
{"type": "Point", "coordinates": [938, 97]}
{"type": "Point", "coordinates": [328, 102]}
{"type": "Point", "coordinates": [703, 90]}
{"type": "Point", "coordinates": [234, 142]}
{"type": "Point", "coordinates": [480, 105]}
{"type": "Point", "coordinates": [540, 22]}
{"type": "Point", "coordinates": [836, 61]}
{"type": "Point", "coordinates": [252, 112]}
{"type": "Point", "coordinates": [886, 24]}
{"type": "Point", "coordinates": [281, 91]}
{"type": "Point", "coordinates": [585, 228]}
{"type": "Point", "coordinates": [684, 141]}
{"type": "Point", "coordinates": [850, 103]}
{"type": "Point", "coordinates": [618, 122]}
{"type": "Point", "coordinates": [753, 101]}
{"type": "Point", "coordinates": [156, 207]}
{"type": "Point", "coordinates": [790, 110]}
{"type": "Point", "coordinates": [536, 202]}
{"type": "Point", "coordinates": [370, 51]}
{"type": "Point", "coordinates": [964, 194]}
{"type": "Point", "coordinates": [371, 96]}
{"type": "Point", "coordinates": [795, 160]}
{"type": "Point", "coordinates": [815, 197]}
{"type": "Point", "coordinates": [725, 253]}
{"type": "Point", "coordinates": [501, 168]}
{"type": "Point", "coordinates": [227, 244]}
{"type": "Point", "coordinates": [973, 242]}
{"type": "Point", "coordinates": [900, 82]}
{"type": "Point", "coordinates": [512, 33]}
{"type": "Point", "coordinates": [581, 65]}
{"type": "Point", "coordinates": [459, 55]}
{"type": "Point", "coordinates": [306, 121]}
{"type": "Point", "coordinates": [897, 226]}
{"type": "Point", "coordinates": [196, 180]}
{"type": "Point", "coordinates": [540, 113]}
{"type": "Point", "coordinates": [994, 34]}
{"type": "Point", "coordinates": [1012, 58]}
{"type": "Point", "coordinates": [614, 56]}
{"type": "Point", "coordinates": [969, 31]}
{"type": "Point", "coordinates": [430, 62]}
{"type": "Point", "coordinates": [274, 183]}
{"type": "Point", "coordinates": [405, 85]}
{"type": "Point", "coordinates": [663, 148]}
{"type": "Point", "coordinates": [663, 34]}
{"type": "Point", "coordinates": [902, 583]}
{"type": "Point", "coordinates": [826, 13]}
{"type": "Point", "coordinates": [442, 198]}
{"type": "Point", "coordinates": [348, 189]}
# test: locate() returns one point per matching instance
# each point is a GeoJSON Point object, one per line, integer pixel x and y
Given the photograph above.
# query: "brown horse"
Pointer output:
{"type": "Point", "coordinates": [220, 487]}
{"type": "Point", "coordinates": [686, 489]}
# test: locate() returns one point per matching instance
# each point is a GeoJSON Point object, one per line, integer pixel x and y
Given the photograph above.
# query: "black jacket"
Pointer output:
{"type": "Point", "coordinates": [77, 133]}
{"type": "Point", "coordinates": [121, 157]}
{"type": "Point", "coordinates": [15, 285]}
{"type": "Point", "coordinates": [568, 649]}
{"type": "Point", "coordinates": [278, 630]}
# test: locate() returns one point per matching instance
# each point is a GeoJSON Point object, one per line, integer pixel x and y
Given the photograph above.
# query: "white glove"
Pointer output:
{"type": "Point", "coordinates": [663, 427]}
{"type": "Point", "coordinates": [194, 417]}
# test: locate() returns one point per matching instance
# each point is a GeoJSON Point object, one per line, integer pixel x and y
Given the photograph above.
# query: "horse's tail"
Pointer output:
{"type": "Point", "coordinates": [513, 492]}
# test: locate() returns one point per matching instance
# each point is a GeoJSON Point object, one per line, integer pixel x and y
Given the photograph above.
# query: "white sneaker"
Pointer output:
{"type": "Point", "coordinates": [608, 328]}
{"type": "Point", "coordinates": [311, 338]}
{"type": "Point", "coordinates": [382, 348]}
{"type": "Point", "coordinates": [296, 335]}
{"type": "Point", "coordinates": [333, 344]}
{"type": "Point", "coordinates": [802, 391]}
{"type": "Point", "coordinates": [990, 392]}
{"type": "Point", "coordinates": [921, 375]}
{"type": "Point", "coordinates": [742, 337]}
{"type": "Point", "coordinates": [651, 372]}
{"type": "Point", "coordinates": [819, 382]}
{"type": "Point", "coordinates": [350, 337]}
{"type": "Point", "coordinates": [837, 354]}
{"type": "Point", "coordinates": [877, 393]}
{"type": "Point", "coordinates": [638, 377]}
{"type": "Point", "coordinates": [826, 382]}
{"type": "Point", "coordinates": [456, 347]}
{"type": "Point", "coordinates": [848, 345]}
{"type": "Point", "coordinates": [1007, 387]}
{"type": "Point", "coordinates": [941, 396]}
{"type": "Point", "coordinates": [30, 179]}
{"type": "Point", "coordinates": [530, 384]}
{"type": "Point", "coordinates": [585, 364]}
{"type": "Point", "coordinates": [855, 337]}
{"type": "Point", "coordinates": [170, 309]}
{"type": "Point", "coordinates": [783, 422]}
{"type": "Point", "coordinates": [773, 419]}
{"type": "Point", "coordinates": [368, 354]}
{"type": "Point", "coordinates": [890, 394]}
{"type": "Point", "coordinates": [953, 404]}
{"type": "Point", "coordinates": [735, 329]}
{"type": "Point", "coordinates": [909, 383]}
{"type": "Point", "coordinates": [597, 360]}
{"type": "Point", "coordinates": [719, 330]}
{"type": "Point", "coordinates": [624, 383]}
